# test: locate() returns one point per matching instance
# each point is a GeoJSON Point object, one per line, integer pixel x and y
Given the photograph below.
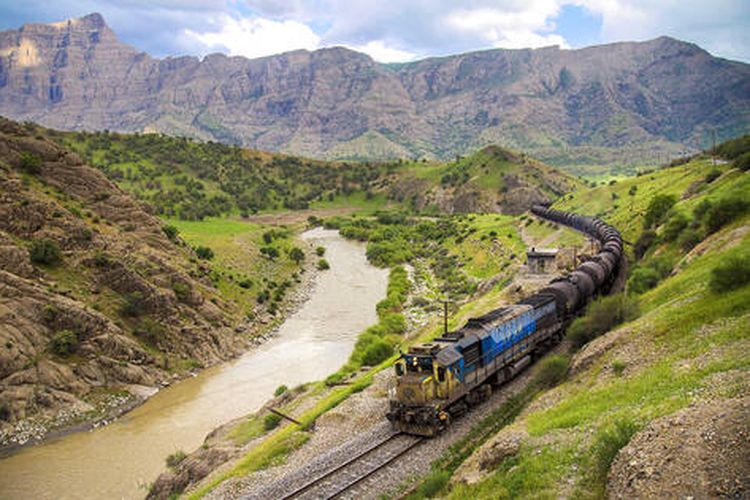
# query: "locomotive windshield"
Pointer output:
{"type": "Point", "coordinates": [415, 364]}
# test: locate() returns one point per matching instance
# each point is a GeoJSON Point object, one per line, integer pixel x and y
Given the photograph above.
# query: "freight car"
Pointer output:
{"type": "Point", "coordinates": [440, 380]}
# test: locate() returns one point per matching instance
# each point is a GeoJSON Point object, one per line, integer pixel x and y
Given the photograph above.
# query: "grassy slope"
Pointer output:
{"type": "Point", "coordinates": [673, 355]}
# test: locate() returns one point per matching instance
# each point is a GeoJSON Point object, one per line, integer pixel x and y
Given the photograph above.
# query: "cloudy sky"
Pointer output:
{"type": "Point", "coordinates": [401, 30]}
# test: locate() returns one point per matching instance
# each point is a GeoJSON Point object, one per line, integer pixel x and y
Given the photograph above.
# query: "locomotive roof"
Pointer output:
{"type": "Point", "coordinates": [497, 316]}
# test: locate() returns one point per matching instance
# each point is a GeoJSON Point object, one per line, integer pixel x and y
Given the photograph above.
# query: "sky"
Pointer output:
{"type": "Point", "coordinates": [397, 31]}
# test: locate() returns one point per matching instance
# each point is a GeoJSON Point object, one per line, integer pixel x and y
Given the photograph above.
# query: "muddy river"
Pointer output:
{"type": "Point", "coordinates": [120, 460]}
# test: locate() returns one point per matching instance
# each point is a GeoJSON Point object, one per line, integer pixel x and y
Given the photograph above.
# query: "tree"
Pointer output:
{"type": "Point", "coordinates": [204, 253]}
{"type": "Point", "coordinates": [45, 251]}
{"type": "Point", "coordinates": [297, 255]}
{"type": "Point", "coordinates": [658, 208]}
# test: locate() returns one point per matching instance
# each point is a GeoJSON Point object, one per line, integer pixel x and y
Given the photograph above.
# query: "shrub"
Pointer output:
{"type": "Point", "coordinates": [320, 251]}
{"type": "Point", "coordinates": [171, 232]}
{"type": "Point", "coordinates": [149, 331]}
{"type": "Point", "coordinates": [674, 226]}
{"type": "Point", "coordinates": [176, 458]}
{"type": "Point", "coordinates": [393, 323]}
{"type": "Point", "coordinates": [246, 283]}
{"type": "Point", "coordinates": [658, 208]}
{"type": "Point", "coordinates": [642, 280]}
{"type": "Point", "coordinates": [297, 255]}
{"type": "Point", "coordinates": [732, 273]}
{"type": "Point", "coordinates": [4, 412]}
{"type": "Point", "coordinates": [688, 239]}
{"type": "Point", "coordinates": [280, 390]}
{"type": "Point", "coordinates": [134, 305]}
{"type": "Point", "coordinates": [64, 342]}
{"type": "Point", "coordinates": [30, 163]}
{"type": "Point", "coordinates": [377, 352]}
{"type": "Point", "coordinates": [271, 421]}
{"type": "Point", "coordinates": [742, 162]}
{"type": "Point", "coordinates": [601, 316]}
{"type": "Point", "coordinates": [269, 252]}
{"type": "Point", "coordinates": [712, 175]}
{"type": "Point", "coordinates": [45, 251]}
{"type": "Point", "coordinates": [633, 190]}
{"type": "Point", "coordinates": [608, 444]}
{"type": "Point", "coordinates": [181, 290]}
{"type": "Point", "coordinates": [618, 367]}
{"type": "Point", "coordinates": [204, 253]}
{"type": "Point", "coordinates": [434, 484]}
{"type": "Point", "coordinates": [725, 211]}
{"type": "Point", "coordinates": [644, 242]}
{"type": "Point", "coordinates": [551, 371]}
{"type": "Point", "coordinates": [323, 265]}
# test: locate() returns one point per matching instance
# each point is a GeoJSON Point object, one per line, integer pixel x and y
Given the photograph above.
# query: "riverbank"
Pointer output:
{"type": "Point", "coordinates": [314, 340]}
{"type": "Point", "coordinates": [104, 408]}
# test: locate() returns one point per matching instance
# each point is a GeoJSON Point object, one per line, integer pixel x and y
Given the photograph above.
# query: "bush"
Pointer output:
{"type": "Point", "coordinates": [742, 162]}
{"type": "Point", "coordinates": [688, 239]}
{"type": "Point", "coordinates": [323, 265]}
{"type": "Point", "coordinates": [658, 208]}
{"type": "Point", "coordinates": [732, 273]}
{"type": "Point", "coordinates": [171, 232]}
{"type": "Point", "coordinates": [618, 367]}
{"type": "Point", "coordinates": [551, 371]}
{"type": "Point", "coordinates": [725, 211]}
{"type": "Point", "coordinates": [280, 390]}
{"type": "Point", "coordinates": [30, 163]}
{"type": "Point", "coordinates": [246, 283]}
{"type": "Point", "coordinates": [176, 458]}
{"type": "Point", "coordinates": [377, 352]}
{"type": "Point", "coordinates": [64, 342]}
{"type": "Point", "coordinates": [271, 421]}
{"type": "Point", "coordinates": [644, 242]}
{"type": "Point", "coordinates": [149, 331]}
{"type": "Point", "coordinates": [4, 412]}
{"type": "Point", "coordinates": [643, 279]}
{"type": "Point", "coordinates": [45, 251]}
{"type": "Point", "coordinates": [601, 316]}
{"type": "Point", "coordinates": [181, 290]}
{"type": "Point", "coordinates": [674, 226]}
{"type": "Point", "coordinates": [608, 444]}
{"type": "Point", "coordinates": [134, 305]}
{"type": "Point", "coordinates": [204, 253]}
{"type": "Point", "coordinates": [320, 251]}
{"type": "Point", "coordinates": [712, 175]}
{"type": "Point", "coordinates": [433, 484]}
{"type": "Point", "coordinates": [297, 255]}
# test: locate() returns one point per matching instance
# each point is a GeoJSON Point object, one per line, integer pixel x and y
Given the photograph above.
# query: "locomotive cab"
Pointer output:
{"type": "Point", "coordinates": [425, 379]}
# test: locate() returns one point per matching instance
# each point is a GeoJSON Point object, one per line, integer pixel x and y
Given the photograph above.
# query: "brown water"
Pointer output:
{"type": "Point", "coordinates": [120, 460]}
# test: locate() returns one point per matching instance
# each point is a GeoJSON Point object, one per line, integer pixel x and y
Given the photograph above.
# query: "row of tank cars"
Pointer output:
{"type": "Point", "coordinates": [440, 380]}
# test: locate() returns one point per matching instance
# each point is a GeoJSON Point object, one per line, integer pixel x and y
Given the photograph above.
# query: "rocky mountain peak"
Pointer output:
{"type": "Point", "coordinates": [602, 104]}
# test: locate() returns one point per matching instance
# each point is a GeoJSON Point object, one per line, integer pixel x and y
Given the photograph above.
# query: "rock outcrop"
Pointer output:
{"type": "Point", "coordinates": [699, 452]}
{"type": "Point", "coordinates": [614, 103]}
{"type": "Point", "coordinates": [89, 283]}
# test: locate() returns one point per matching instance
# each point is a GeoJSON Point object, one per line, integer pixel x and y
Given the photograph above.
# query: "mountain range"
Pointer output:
{"type": "Point", "coordinates": [619, 103]}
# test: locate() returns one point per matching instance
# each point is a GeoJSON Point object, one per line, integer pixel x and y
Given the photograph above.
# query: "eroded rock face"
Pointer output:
{"type": "Point", "coordinates": [699, 452]}
{"type": "Point", "coordinates": [64, 335]}
{"type": "Point", "coordinates": [337, 103]}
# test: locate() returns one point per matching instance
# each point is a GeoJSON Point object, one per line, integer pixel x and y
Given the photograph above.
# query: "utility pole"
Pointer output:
{"type": "Point", "coordinates": [445, 315]}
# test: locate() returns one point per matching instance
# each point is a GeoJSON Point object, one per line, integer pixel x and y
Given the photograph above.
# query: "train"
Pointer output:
{"type": "Point", "coordinates": [438, 381]}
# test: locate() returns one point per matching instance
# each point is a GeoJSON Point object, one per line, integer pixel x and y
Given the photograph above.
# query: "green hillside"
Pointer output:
{"type": "Point", "coordinates": [687, 348]}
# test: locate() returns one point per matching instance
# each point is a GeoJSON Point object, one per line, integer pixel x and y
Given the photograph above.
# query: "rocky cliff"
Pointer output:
{"type": "Point", "coordinates": [615, 103]}
{"type": "Point", "coordinates": [95, 300]}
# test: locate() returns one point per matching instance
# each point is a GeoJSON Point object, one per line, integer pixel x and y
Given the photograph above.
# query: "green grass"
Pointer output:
{"type": "Point", "coordinates": [237, 245]}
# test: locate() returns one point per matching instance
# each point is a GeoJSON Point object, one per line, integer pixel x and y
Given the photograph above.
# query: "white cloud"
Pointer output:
{"type": "Point", "coordinates": [511, 28]}
{"type": "Point", "coordinates": [378, 50]}
{"type": "Point", "coordinates": [257, 37]}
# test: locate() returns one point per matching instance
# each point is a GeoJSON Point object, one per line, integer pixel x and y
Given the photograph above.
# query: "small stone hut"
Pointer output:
{"type": "Point", "coordinates": [541, 261]}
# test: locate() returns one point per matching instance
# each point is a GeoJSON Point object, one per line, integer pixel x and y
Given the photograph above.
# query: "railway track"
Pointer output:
{"type": "Point", "coordinates": [343, 477]}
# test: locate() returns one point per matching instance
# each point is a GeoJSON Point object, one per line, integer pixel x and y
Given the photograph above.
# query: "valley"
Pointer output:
{"type": "Point", "coordinates": [502, 273]}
